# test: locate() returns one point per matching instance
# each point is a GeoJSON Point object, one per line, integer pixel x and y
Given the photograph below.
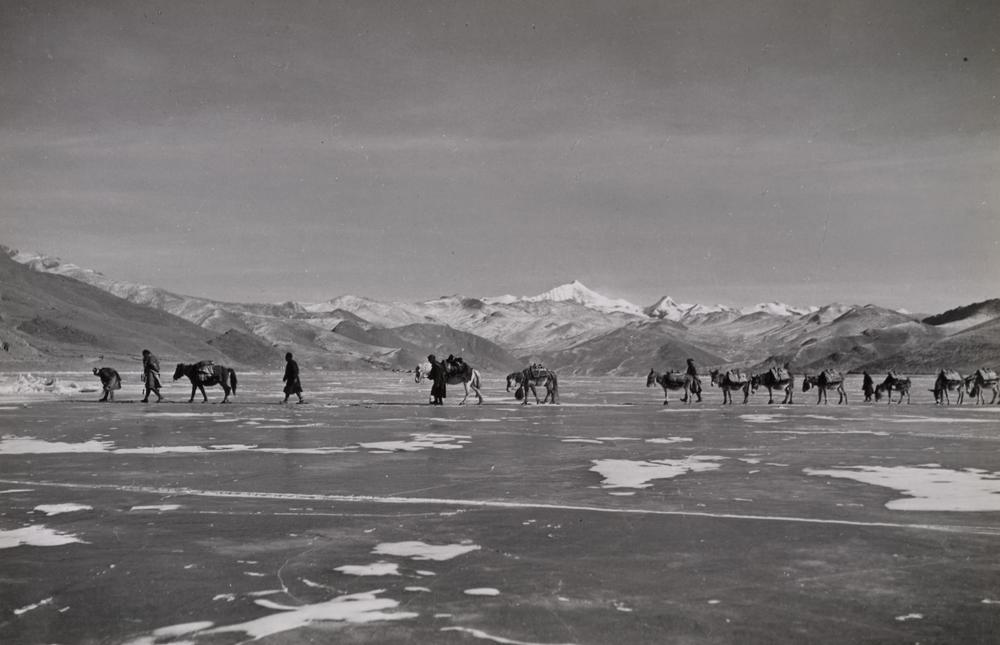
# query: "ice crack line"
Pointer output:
{"type": "Point", "coordinates": [478, 503]}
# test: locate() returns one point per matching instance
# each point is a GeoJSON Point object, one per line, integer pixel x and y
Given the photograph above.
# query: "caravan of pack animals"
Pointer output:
{"type": "Point", "coordinates": [686, 383]}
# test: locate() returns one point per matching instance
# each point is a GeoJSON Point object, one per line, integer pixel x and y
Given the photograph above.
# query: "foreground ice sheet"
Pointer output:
{"type": "Point", "coordinates": [625, 473]}
{"type": "Point", "coordinates": [931, 488]}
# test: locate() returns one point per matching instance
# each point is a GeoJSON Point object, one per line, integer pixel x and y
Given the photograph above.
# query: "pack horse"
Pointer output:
{"type": "Point", "coordinates": [532, 377]}
{"type": "Point", "coordinates": [207, 373]}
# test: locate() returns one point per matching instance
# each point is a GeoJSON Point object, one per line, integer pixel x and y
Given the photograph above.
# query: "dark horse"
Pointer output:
{"type": "Point", "coordinates": [532, 376]}
{"type": "Point", "coordinates": [206, 373]}
{"type": "Point", "coordinates": [731, 381]}
{"type": "Point", "coordinates": [674, 381]}
{"type": "Point", "coordinates": [977, 384]}
{"type": "Point", "coordinates": [774, 379]}
{"type": "Point", "coordinates": [948, 380]}
{"type": "Point", "coordinates": [893, 382]}
{"type": "Point", "coordinates": [826, 380]}
{"type": "Point", "coordinates": [514, 378]}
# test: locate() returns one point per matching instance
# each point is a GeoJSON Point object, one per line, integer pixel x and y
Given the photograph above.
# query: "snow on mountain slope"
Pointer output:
{"type": "Point", "coordinates": [577, 292]}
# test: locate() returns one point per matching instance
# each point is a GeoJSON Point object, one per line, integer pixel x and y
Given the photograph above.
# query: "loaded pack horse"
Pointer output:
{"type": "Point", "coordinates": [674, 381]}
{"type": "Point", "coordinates": [894, 382]}
{"type": "Point", "coordinates": [776, 378]}
{"type": "Point", "coordinates": [948, 380]}
{"type": "Point", "coordinates": [531, 377]}
{"type": "Point", "coordinates": [731, 381]}
{"type": "Point", "coordinates": [984, 379]}
{"type": "Point", "coordinates": [207, 373]}
{"type": "Point", "coordinates": [826, 380]}
{"type": "Point", "coordinates": [468, 377]}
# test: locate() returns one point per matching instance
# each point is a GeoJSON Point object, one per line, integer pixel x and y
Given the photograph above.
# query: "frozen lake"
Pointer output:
{"type": "Point", "coordinates": [366, 516]}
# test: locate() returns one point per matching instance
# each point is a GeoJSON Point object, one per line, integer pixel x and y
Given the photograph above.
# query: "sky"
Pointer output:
{"type": "Point", "coordinates": [714, 151]}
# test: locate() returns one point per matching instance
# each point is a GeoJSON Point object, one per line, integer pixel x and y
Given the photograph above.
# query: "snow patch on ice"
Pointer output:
{"type": "Point", "coordinates": [41, 603]}
{"type": "Point", "coordinates": [380, 568]}
{"type": "Point", "coordinates": [353, 608]}
{"type": "Point", "coordinates": [929, 488]}
{"type": "Point", "coordinates": [35, 535]}
{"type": "Point", "coordinates": [424, 551]}
{"type": "Point", "coordinates": [482, 591]}
{"type": "Point", "coordinates": [421, 441]}
{"type": "Point", "coordinates": [626, 473]}
{"type": "Point", "coordinates": [56, 509]}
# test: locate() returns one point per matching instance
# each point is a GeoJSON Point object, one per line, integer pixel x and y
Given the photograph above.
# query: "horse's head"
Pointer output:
{"type": "Point", "coordinates": [807, 382]}
{"type": "Point", "coordinates": [651, 378]}
{"type": "Point", "coordinates": [179, 372]}
{"type": "Point", "coordinates": [512, 379]}
{"type": "Point", "coordinates": [754, 382]}
{"type": "Point", "coordinates": [879, 389]}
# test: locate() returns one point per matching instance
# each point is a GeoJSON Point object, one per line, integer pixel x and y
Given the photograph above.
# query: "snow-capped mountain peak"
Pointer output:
{"type": "Point", "coordinates": [667, 308]}
{"type": "Point", "coordinates": [579, 293]}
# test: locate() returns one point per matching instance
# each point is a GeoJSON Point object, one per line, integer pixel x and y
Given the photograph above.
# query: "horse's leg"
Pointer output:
{"type": "Point", "coordinates": [225, 389]}
{"type": "Point", "coordinates": [194, 388]}
{"type": "Point", "coordinates": [204, 396]}
{"type": "Point", "coordinates": [465, 386]}
{"type": "Point", "coordinates": [666, 396]}
{"type": "Point", "coordinates": [746, 393]}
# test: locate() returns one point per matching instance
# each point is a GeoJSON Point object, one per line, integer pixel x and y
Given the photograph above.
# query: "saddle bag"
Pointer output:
{"type": "Point", "coordinates": [951, 376]}
{"type": "Point", "coordinates": [737, 377]}
{"type": "Point", "coordinates": [987, 375]}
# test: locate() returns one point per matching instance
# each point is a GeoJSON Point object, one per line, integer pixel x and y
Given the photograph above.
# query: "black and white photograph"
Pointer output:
{"type": "Point", "coordinates": [528, 322]}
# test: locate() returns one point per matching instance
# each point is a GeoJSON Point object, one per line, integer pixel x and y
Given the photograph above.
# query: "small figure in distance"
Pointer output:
{"type": "Point", "coordinates": [439, 378]}
{"type": "Point", "coordinates": [110, 381]}
{"type": "Point", "coordinates": [867, 386]}
{"type": "Point", "coordinates": [291, 379]}
{"type": "Point", "coordinates": [151, 375]}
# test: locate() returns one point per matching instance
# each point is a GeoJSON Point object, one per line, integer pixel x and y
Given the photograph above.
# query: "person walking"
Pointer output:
{"type": "Point", "coordinates": [867, 386]}
{"type": "Point", "coordinates": [110, 381]}
{"type": "Point", "coordinates": [439, 378]}
{"type": "Point", "coordinates": [692, 371]}
{"type": "Point", "coordinates": [151, 375]}
{"type": "Point", "coordinates": [291, 378]}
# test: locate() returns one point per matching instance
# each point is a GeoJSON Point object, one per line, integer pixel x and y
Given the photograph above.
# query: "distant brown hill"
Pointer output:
{"type": "Point", "coordinates": [54, 320]}
{"type": "Point", "coordinates": [965, 351]}
{"type": "Point", "coordinates": [631, 350]}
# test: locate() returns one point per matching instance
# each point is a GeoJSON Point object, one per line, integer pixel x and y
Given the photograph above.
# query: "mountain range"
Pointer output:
{"type": "Point", "coordinates": [54, 312]}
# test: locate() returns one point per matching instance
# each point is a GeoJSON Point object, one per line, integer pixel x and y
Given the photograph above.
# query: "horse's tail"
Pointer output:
{"type": "Point", "coordinates": [555, 384]}
{"type": "Point", "coordinates": [232, 379]}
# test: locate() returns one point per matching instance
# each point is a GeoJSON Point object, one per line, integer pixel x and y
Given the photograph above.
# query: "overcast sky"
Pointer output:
{"type": "Point", "coordinates": [730, 151]}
